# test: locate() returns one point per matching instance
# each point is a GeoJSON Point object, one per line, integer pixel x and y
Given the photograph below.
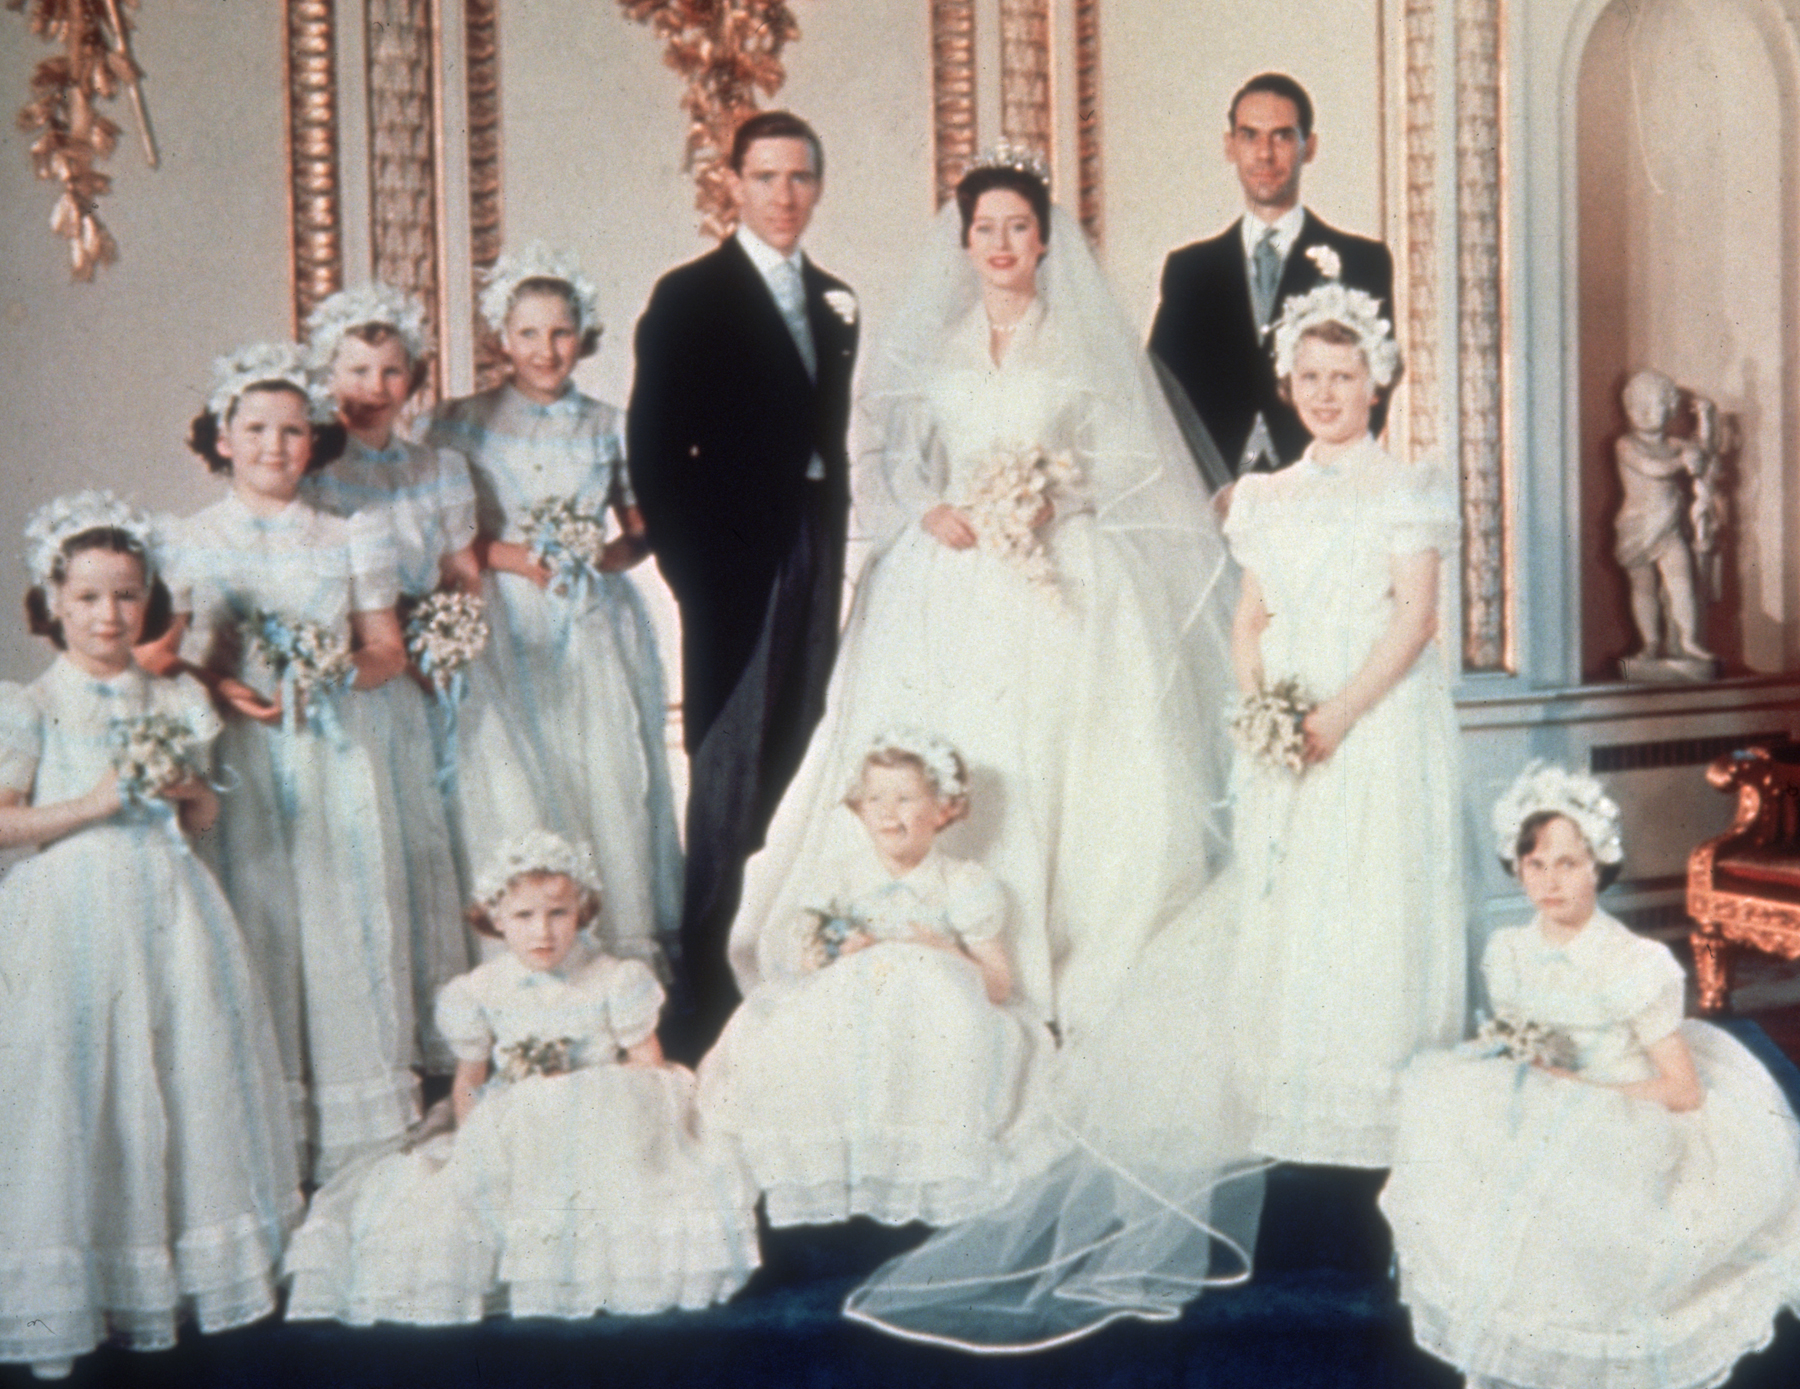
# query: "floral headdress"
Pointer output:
{"type": "Point", "coordinates": [374, 302]}
{"type": "Point", "coordinates": [534, 852]}
{"type": "Point", "coordinates": [1333, 302]}
{"type": "Point", "coordinates": [265, 364]}
{"type": "Point", "coordinates": [538, 262]}
{"type": "Point", "coordinates": [1544, 786]}
{"type": "Point", "coordinates": [944, 766]}
{"type": "Point", "coordinates": [1010, 154]}
{"type": "Point", "coordinates": [66, 517]}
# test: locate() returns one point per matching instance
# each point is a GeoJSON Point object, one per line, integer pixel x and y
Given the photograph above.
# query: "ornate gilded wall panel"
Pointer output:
{"type": "Point", "coordinates": [403, 179]}
{"type": "Point", "coordinates": [952, 91]}
{"type": "Point", "coordinates": [1420, 247]}
{"type": "Point", "coordinates": [1087, 117]}
{"type": "Point", "coordinates": [1025, 64]}
{"type": "Point", "coordinates": [481, 59]}
{"type": "Point", "coordinates": [1480, 337]}
{"type": "Point", "coordinates": [314, 209]}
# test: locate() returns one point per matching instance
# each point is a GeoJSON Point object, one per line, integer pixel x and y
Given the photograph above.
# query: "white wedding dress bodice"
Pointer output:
{"type": "Point", "coordinates": [1049, 691]}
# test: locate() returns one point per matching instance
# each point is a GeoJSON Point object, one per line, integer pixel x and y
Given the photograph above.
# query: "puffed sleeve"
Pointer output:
{"type": "Point", "coordinates": [633, 1002]}
{"type": "Point", "coordinates": [456, 499]}
{"type": "Point", "coordinates": [1648, 991]}
{"type": "Point", "coordinates": [609, 457]}
{"type": "Point", "coordinates": [462, 1021]}
{"type": "Point", "coordinates": [977, 903]}
{"type": "Point", "coordinates": [21, 738]}
{"type": "Point", "coordinates": [1243, 528]}
{"type": "Point", "coordinates": [171, 562]}
{"type": "Point", "coordinates": [374, 562]}
{"type": "Point", "coordinates": [187, 699]}
{"type": "Point", "coordinates": [1419, 511]}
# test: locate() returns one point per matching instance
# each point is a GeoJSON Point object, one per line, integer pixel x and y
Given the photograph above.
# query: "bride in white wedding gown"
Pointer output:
{"type": "Point", "coordinates": [1087, 686]}
{"type": "Point", "coordinates": [1087, 698]}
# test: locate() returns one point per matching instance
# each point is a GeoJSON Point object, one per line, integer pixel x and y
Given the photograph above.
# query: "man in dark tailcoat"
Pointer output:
{"type": "Point", "coordinates": [735, 441]}
{"type": "Point", "coordinates": [1220, 298]}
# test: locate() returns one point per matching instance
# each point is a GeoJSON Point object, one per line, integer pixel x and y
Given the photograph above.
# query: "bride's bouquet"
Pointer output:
{"type": "Point", "coordinates": [1518, 1039]}
{"type": "Point", "coordinates": [1007, 501]}
{"type": "Point", "coordinates": [445, 633]}
{"type": "Point", "coordinates": [1269, 726]}
{"type": "Point", "coordinates": [566, 539]}
{"type": "Point", "coordinates": [314, 656]}
{"type": "Point", "coordinates": [151, 751]}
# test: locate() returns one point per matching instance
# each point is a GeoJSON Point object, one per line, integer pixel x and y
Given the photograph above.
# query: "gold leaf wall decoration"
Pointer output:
{"type": "Point", "coordinates": [728, 50]}
{"type": "Point", "coordinates": [72, 135]}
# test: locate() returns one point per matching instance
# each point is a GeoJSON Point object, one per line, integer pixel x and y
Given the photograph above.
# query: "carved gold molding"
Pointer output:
{"type": "Point", "coordinates": [313, 204]}
{"type": "Point", "coordinates": [728, 50]}
{"type": "Point", "coordinates": [481, 60]}
{"type": "Point", "coordinates": [1480, 346]}
{"type": "Point", "coordinates": [952, 92]}
{"type": "Point", "coordinates": [1087, 117]}
{"type": "Point", "coordinates": [72, 136]}
{"type": "Point", "coordinates": [1025, 59]}
{"type": "Point", "coordinates": [403, 175]}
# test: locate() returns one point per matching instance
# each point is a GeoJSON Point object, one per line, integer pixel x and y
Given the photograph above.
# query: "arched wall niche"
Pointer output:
{"type": "Point", "coordinates": [1684, 148]}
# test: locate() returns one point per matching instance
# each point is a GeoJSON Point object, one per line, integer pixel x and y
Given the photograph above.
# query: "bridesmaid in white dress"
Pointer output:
{"type": "Point", "coordinates": [308, 847]}
{"type": "Point", "coordinates": [148, 1160]}
{"type": "Point", "coordinates": [1082, 673]}
{"type": "Point", "coordinates": [1621, 1205]}
{"type": "Point", "coordinates": [1350, 912]}
{"type": "Point", "coordinates": [882, 1074]}
{"type": "Point", "coordinates": [564, 725]}
{"type": "Point", "coordinates": [370, 345]}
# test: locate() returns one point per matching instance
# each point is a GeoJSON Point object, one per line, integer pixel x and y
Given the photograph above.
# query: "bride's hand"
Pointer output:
{"type": "Point", "coordinates": [1324, 729]}
{"type": "Point", "coordinates": [949, 526]}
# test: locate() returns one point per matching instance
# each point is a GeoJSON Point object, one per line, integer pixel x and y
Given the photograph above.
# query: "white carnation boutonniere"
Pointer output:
{"type": "Point", "coordinates": [843, 304]}
{"type": "Point", "coordinates": [1329, 263]}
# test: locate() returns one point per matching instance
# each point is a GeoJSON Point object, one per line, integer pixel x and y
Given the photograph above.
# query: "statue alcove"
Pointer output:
{"type": "Point", "coordinates": [1685, 134]}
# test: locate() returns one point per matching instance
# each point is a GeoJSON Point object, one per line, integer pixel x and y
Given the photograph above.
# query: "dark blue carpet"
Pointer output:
{"type": "Point", "coordinates": [1321, 1314]}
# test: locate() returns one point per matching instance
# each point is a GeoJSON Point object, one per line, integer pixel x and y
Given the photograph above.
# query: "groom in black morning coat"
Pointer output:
{"type": "Point", "coordinates": [735, 442]}
{"type": "Point", "coordinates": [1212, 331]}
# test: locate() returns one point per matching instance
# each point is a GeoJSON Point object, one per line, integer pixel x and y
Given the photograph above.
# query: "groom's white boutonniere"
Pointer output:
{"type": "Point", "coordinates": [1327, 259]}
{"type": "Point", "coordinates": [843, 304]}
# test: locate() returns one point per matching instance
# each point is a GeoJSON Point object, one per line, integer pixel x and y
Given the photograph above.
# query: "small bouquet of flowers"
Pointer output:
{"type": "Point", "coordinates": [1007, 499]}
{"type": "Point", "coordinates": [536, 1056]}
{"type": "Point", "coordinates": [565, 538]}
{"type": "Point", "coordinates": [832, 925]}
{"type": "Point", "coordinates": [444, 634]}
{"type": "Point", "coordinates": [314, 656]}
{"type": "Point", "coordinates": [1269, 726]}
{"type": "Point", "coordinates": [150, 751]}
{"type": "Point", "coordinates": [1517, 1039]}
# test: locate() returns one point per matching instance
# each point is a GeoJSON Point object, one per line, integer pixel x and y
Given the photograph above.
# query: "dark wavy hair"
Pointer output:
{"type": "Point", "coordinates": [328, 440]}
{"type": "Point", "coordinates": [775, 125]}
{"type": "Point", "coordinates": [1533, 825]}
{"type": "Point", "coordinates": [1021, 181]}
{"type": "Point", "coordinates": [1275, 84]}
{"type": "Point", "coordinates": [157, 615]}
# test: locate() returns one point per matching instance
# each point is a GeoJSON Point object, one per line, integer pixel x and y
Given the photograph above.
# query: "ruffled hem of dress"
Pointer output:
{"type": "Point", "coordinates": [1737, 1320]}
{"type": "Point", "coordinates": [60, 1303]}
{"type": "Point", "coordinates": [355, 1116]}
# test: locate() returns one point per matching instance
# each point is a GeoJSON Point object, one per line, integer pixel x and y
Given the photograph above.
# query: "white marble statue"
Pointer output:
{"type": "Point", "coordinates": [1657, 552]}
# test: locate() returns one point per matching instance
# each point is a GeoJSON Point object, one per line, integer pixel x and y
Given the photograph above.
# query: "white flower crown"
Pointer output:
{"type": "Point", "coordinates": [944, 766]}
{"type": "Point", "coordinates": [1009, 154]}
{"type": "Point", "coordinates": [66, 517]}
{"type": "Point", "coordinates": [1544, 786]}
{"type": "Point", "coordinates": [536, 851]}
{"type": "Point", "coordinates": [538, 262]}
{"type": "Point", "coordinates": [374, 302]}
{"type": "Point", "coordinates": [1333, 302]}
{"type": "Point", "coordinates": [266, 364]}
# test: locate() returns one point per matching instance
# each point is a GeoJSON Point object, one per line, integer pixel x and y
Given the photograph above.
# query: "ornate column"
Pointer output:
{"type": "Point", "coordinates": [952, 91]}
{"type": "Point", "coordinates": [313, 206]}
{"type": "Point", "coordinates": [481, 61]}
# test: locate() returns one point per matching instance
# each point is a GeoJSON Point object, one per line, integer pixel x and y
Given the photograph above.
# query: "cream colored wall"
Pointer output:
{"type": "Point", "coordinates": [98, 381]}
